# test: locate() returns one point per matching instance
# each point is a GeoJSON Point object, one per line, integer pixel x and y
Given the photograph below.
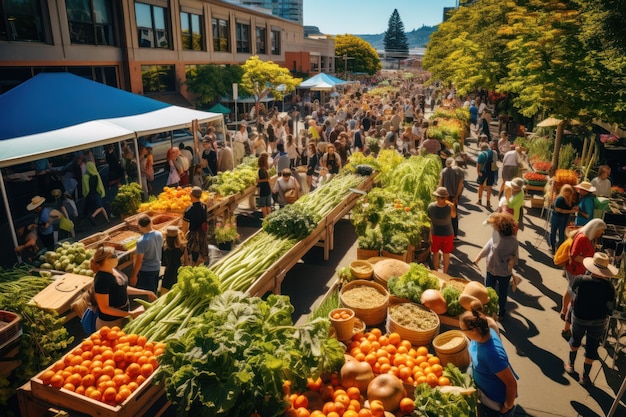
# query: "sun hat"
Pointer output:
{"type": "Point", "coordinates": [516, 183]}
{"type": "Point", "coordinates": [586, 185]}
{"type": "Point", "coordinates": [196, 192]}
{"type": "Point", "coordinates": [600, 264]}
{"type": "Point", "coordinates": [35, 202]}
{"type": "Point", "coordinates": [441, 192]}
{"type": "Point", "coordinates": [172, 231]}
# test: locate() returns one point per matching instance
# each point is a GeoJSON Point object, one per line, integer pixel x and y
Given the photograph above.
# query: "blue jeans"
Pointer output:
{"type": "Point", "coordinates": [558, 224]}
{"type": "Point", "coordinates": [501, 285]}
{"type": "Point", "coordinates": [148, 280]}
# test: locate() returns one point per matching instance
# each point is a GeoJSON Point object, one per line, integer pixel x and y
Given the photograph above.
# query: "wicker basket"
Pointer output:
{"type": "Point", "coordinates": [406, 256]}
{"type": "Point", "coordinates": [344, 328]}
{"type": "Point", "coordinates": [366, 253]}
{"type": "Point", "coordinates": [9, 326]}
{"type": "Point", "coordinates": [361, 269]}
{"type": "Point", "coordinates": [416, 337]}
{"type": "Point", "coordinates": [370, 315]}
{"type": "Point", "coordinates": [387, 268]}
{"type": "Point", "coordinates": [452, 347]}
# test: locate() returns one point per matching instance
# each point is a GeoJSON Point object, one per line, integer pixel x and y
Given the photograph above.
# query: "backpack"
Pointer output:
{"type": "Point", "coordinates": [561, 256]}
{"type": "Point", "coordinates": [494, 164]}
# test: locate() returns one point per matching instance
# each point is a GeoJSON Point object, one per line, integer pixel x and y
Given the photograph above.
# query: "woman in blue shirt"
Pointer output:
{"type": "Point", "coordinates": [586, 203]}
{"type": "Point", "coordinates": [495, 379]}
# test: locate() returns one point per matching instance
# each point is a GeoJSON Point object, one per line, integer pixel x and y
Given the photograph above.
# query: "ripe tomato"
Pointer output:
{"type": "Point", "coordinates": [407, 405]}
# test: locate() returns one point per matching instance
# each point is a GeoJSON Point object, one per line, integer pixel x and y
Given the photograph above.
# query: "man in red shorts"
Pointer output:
{"type": "Point", "coordinates": [441, 213]}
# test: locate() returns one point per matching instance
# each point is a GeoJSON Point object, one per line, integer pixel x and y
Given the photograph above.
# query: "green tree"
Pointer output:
{"type": "Point", "coordinates": [359, 55]}
{"type": "Point", "coordinates": [395, 41]}
{"type": "Point", "coordinates": [261, 78]}
{"type": "Point", "coordinates": [210, 82]}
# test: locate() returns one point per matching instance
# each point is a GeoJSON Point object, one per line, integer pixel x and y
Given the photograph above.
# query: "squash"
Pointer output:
{"type": "Point", "coordinates": [388, 389]}
{"type": "Point", "coordinates": [466, 301]}
{"type": "Point", "coordinates": [356, 374]}
{"type": "Point", "coordinates": [434, 300]}
{"type": "Point", "coordinates": [477, 290]}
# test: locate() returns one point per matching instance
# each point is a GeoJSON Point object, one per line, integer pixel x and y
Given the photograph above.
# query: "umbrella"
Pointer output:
{"type": "Point", "coordinates": [219, 108]}
{"type": "Point", "coordinates": [553, 121]}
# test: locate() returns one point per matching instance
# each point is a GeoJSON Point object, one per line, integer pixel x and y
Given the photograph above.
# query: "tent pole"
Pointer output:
{"type": "Point", "coordinates": [138, 157]}
{"type": "Point", "coordinates": [9, 215]}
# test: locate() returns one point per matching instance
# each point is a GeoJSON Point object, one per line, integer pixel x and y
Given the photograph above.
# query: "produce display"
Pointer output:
{"type": "Point", "coordinates": [172, 199]}
{"type": "Point", "coordinates": [108, 366]}
{"type": "Point", "coordinates": [413, 316]}
{"type": "Point", "coordinates": [566, 176]}
{"type": "Point", "coordinates": [457, 400]}
{"type": "Point", "coordinates": [189, 297]}
{"type": "Point", "coordinates": [413, 283]}
{"type": "Point", "coordinates": [69, 257]}
{"type": "Point", "coordinates": [229, 183]}
{"type": "Point", "coordinates": [542, 166]}
{"type": "Point", "coordinates": [43, 337]}
{"type": "Point", "coordinates": [534, 178]}
{"type": "Point", "coordinates": [235, 357]}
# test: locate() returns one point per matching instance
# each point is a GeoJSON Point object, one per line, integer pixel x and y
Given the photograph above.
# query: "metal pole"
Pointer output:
{"type": "Point", "coordinates": [9, 215]}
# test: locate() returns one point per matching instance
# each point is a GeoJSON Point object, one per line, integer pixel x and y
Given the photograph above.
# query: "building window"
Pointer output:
{"type": "Point", "coordinates": [261, 40]}
{"type": "Point", "coordinates": [158, 78]}
{"type": "Point", "coordinates": [191, 31]}
{"type": "Point", "coordinates": [220, 35]}
{"type": "Point", "coordinates": [22, 20]}
{"type": "Point", "coordinates": [152, 26]}
{"type": "Point", "coordinates": [275, 40]}
{"type": "Point", "coordinates": [243, 37]}
{"type": "Point", "coordinates": [90, 22]}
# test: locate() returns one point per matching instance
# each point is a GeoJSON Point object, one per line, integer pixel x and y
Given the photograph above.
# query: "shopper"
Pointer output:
{"type": "Point", "coordinates": [283, 184]}
{"type": "Point", "coordinates": [494, 377]}
{"type": "Point", "coordinates": [94, 192]}
{"type": "Point", "coordinates": [586, 203]}
{"type": "Point", "coordinates": [441, 213]}
{"type": "Point", "coordinates": [485, 168]}
{"type": "Point", "coordinates": [452, 178]}
{"type": "Point", "coordinates": [111, 290]}
{"type": "Point", "coordinates": [331, 160]}
{"type": "Point", "coordinates": [174, 256]}
{"type": "Point", "coordinates": [602, 183]}
{"type": "Point", "coordinates": [502, 254]}
{"type": "Point", "coordinates": [43, 222]}
{"type": "Point", "coordinates": [263, 182]}
{"type": "Point", "coordinates": [515, 201]}
{"type": "Point", "coordinates": [148, 252]}
{"type": "Point", "coordinates": [563, 206]}
{"type": "Point", "coordinates": [593, 305]}
{"type": "Point", "coordinates": [195, 228]}
{"type": "Point", "coordinates": [312, 163]}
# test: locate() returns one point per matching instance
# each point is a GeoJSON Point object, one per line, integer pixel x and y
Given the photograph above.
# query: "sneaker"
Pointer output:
{"type": "Point", "coordinates": [585, 380]}
{"type": "Point", "coordinates": [569, 368]}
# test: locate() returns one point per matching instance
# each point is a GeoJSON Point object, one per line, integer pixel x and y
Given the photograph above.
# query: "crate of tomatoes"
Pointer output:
{"type": "Point", "coordinates": [109, 374]}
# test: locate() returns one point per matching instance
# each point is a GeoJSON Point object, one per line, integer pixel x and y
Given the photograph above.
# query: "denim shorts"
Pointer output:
{"type": "Point", "coordinates": [594, 329]}
{"type": "Point", "coordinates": [266, 201]}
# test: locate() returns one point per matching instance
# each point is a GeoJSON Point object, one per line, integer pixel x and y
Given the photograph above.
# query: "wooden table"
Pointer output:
{"type": "Point", "coordinates": [60, 294]}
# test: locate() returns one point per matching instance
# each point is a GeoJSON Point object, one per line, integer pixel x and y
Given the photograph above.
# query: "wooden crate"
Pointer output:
{"type": "Point", "coordinates": [137, 404]}
{"type": "Point", "coordinates": [60, 294]}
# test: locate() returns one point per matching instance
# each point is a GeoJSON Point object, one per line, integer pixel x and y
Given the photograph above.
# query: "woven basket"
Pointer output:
{"type": "Point", "coordinates": [9, 326]}
{"type": "Point", "coordinates": [452, 347]}
{"type": "Point", "coordinates": [344, 328]}
{"type": "Point", "coordinates": [361, 269]}
{"type": "Point", "coordinates": [370, 315]}
{"type": "Point", "coordinates": [416, 337]}
{"type": "Point", "coordinates": [406, 256]}
{"type": "Point", "coordinates": [387, 268]}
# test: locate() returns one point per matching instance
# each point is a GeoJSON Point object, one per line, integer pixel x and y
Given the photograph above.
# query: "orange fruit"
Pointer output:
{"type": "Point", "coordinates": [302, 412]}
{"type": "Point", "coordinates": [353, 393]}
{"type": "Point", "coordinates": [133, 370]}
{"type": "Point", "coordinates": [333, 414]}
{"type": "Point", "coordinates": [314, 385]}
{"type": "Point", "coordinates": [407, 405]}
{"type": "Point", "coordinates": [132, 386]}
{"type": "Point", "coordinates": [443, 381]}
{"type": "Point", "coordinates": [69, 386]}
{"type": "Point", "coordinates": [342, 398]}
{"type": "Point", "coordinates": [95, 395]}
{"type": "Point", "coordinates": [377, 408]}
{"type": "Point", "coordinates": [365, 412]}
{"type": "Point", "coordinates": [422, 351]}
{"type": "Point", "coordinates": [132, 339]}
{"type": "Point", "coordinates": [328, 407]}
{"type": "Point", "coordinates": [57, 380]}
{"type": "Point", "coordinates": [87, 345]}
{"type": "Point", "coordinates": [434, 360]}
{"type": "Point", "coordinates": [104, 330]}
{"type": "Point", "coordinates": [395, 339]}
{"type": "Point", "coordinates": [108, 370]}
{"type": "Point", "coordinates": [109, 394]}
{"type": "Point", "coordinates": [340, 408]}
{"type": "Point", "coordinates": [300, 401]}
{"type": "Point", "coordinates": [437, 369]}
{"type": "Point", "coordinates": [317, 413]}
{"type": "Point", "coordinates": [46, 376]}
{"type": "Point", "coordinates": [88, 380]}
{"type": "Point", "coordinates": [124, 392]}
{"type": "Point", "coordinates": [376, 332]}
{"type": "Point", "coordinates": [118, 356]}
{"type": "Point", "coordinates": [432, 380]}
{"type": "Point", "coordinates": [147, 369]}
{"type": "Point", "coordinates": [58, 365]}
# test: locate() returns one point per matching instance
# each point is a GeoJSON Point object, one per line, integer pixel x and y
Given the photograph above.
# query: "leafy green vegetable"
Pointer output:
{"type": "Point", "coordinates": [329, 304]}
{"type": "Point", "coordinates": [412, 284]}
{"type": "Point", "coordinates": [491, 308]}
{"type": "Point", "coordinates": [451, 295]}
{"type": "Point", "coordinates": [432, 402]}
{"type": "Point", "coordinates": [233, 359]}
{"type": "Point", "coordinates": [291, 221]}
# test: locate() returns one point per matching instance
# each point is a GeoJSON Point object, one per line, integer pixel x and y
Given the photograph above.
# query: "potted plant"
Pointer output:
{"type": "Point", "coordinates": [127, 200]}
{"type": "Point", "coordinates": [225, 234]}
{"type": "Point", "coordinates": [369, 243]}
{"type": "Point", "coordinates": [396, 246]}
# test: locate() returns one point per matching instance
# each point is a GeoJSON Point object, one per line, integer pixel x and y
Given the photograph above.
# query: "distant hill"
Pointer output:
{"type": "Point", "coordinates": [417, 38]}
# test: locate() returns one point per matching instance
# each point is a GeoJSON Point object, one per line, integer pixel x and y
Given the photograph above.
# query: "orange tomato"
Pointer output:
{"type": "Point", "coordinates": [353, 393]}
{"type": "Point", "coordinates": [302, 412]}
{"type": "Point", "coordinates": [437, 369]}
{"type": "Point", "coordinates": [383, 340]}
{"type": "Point", "coordinates": [407, 405]}
{"type": "Point", "coordinates": [443, 381]}
{"type": "Point", "coordinates": [365, 346]}
{"type": "Point", "coordinates": [376, 332]}
{"type": "Point", "coordinates": [377, 408]}
{"type": "Point", "coordinates": [300, 401]}
{"type": "Point", "coordinates": [314, 385]}
{"type": "Point", "coordinates": [365, 412]}
{"type": "Point", "coordinates": [141, 340]}
{"type": "Point", "coordinates": [432, 380]}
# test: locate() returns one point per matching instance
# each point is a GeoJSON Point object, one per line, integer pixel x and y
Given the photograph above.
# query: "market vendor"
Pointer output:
{"type": "Point", "coordinates": [43, 221]}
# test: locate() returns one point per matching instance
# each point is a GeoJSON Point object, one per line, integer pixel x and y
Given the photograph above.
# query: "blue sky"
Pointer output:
{"type": "Point", "coordinates": [362, 17]}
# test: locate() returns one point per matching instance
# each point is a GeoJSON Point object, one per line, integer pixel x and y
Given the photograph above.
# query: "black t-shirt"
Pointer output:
{"type": "Point", "coordinates": [195, 214]}
{"type": "Point", "coordinates": [264, 187]}
{"type": "Point", "coordinates": [592, 296]}
{"type": "Point", "coordinates": [106, 283]}
{"type": "Point", "coordinates": [211, 159]}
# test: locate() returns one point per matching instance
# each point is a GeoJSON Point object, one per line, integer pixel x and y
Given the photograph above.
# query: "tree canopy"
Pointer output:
{"type": "Point", "coordinates": [547, 55]}
{"type": "Point", "coordinates": [210, 82]}
{"type": "Point", "coordinates": [360, 55]}
{"type": "Point", "coordinates": [395, 40]}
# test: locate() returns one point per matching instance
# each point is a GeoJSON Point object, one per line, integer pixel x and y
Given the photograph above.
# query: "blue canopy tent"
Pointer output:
{"type": "Point", "coordinates": [56, 113]}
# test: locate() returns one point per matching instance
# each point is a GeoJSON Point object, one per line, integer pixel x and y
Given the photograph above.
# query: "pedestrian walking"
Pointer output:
{"type": "Point", "coordinates": [195, 228]}
{"type": "Point", "coordinates": [441, 213]}
{"type": "Point", "coordinates": [486, 168]}
{"type": "Point", "coordinates": [452, 178]}
{"type": "Point", "coordinates": [148, 252]}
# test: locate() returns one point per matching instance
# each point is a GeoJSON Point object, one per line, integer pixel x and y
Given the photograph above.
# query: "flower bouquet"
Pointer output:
{"type": "Point", "coordinates": [225, 234]}
{"type": "Point", "coordinates": [609, 140]}
{"type": "Point", "coordinates": [542, 167]}
{"type": "Point", "coordinates": [533, 178]}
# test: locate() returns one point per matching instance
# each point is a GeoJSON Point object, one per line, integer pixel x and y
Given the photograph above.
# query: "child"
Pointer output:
{"type": "Point", "coordinates": [174, 255]}
{"type": "Point", "coordinates": [198, 177]}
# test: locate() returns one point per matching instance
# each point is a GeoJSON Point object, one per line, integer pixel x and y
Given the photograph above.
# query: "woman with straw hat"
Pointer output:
{"type": "Point", "coordinates": [593, 304]}
{"type": "Point", "coordinates": [43, 222]}
{"type": "Point", "coordinates": [585, 204]}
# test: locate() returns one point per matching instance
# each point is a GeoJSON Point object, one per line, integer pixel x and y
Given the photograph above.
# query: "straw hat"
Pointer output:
{"type": "Point", "coordinates": [600, 265]}
{"type": "Point", "coordinates": [586, 185]}
{"type": "Point", "coordinates": [35, 202]}
{"type": "Point", "coordinates": [516, 183]}
{"type": "Point", "coordinates": [172, 231]}
{"type": "Point", "coordinates": [441, 192]}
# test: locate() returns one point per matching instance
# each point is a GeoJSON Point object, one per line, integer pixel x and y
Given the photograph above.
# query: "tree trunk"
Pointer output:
{"type": "Point", "coordinates": [557, 147]}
